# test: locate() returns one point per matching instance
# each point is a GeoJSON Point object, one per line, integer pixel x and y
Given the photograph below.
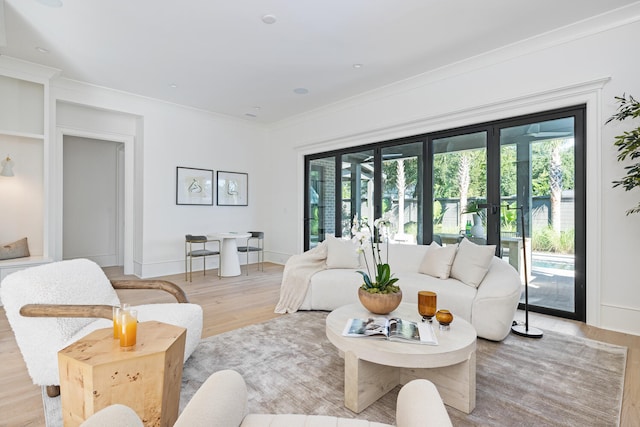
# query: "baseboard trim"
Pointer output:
{"type": "Point", "coordinates": [620, 319]}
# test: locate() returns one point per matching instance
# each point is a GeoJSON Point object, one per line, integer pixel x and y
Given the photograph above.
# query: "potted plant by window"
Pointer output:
{"type": "Point", "coordinates": [379, 293]}
{"type": "Point", "coordinates": [479, 216]}
{"type": "Point", "coordinates": [628, 145]}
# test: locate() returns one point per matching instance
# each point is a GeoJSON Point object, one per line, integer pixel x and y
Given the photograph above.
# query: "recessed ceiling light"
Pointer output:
{"type": "Point", "coordinates": [42, 50]}
{"type": "Point", "coordinates": [51, 3]}
{"type": "Point", "coordinates": [301, 91]}
{"type": "Point", "coordinates": [173, 85]}
{"type": "Point", "coordinates": [269, 19]}
{"type": "Point", "coordinates": [357, 65]}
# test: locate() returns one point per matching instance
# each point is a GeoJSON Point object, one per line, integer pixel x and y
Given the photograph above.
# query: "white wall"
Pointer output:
{"type": "Point", "coordinates": [167, 136]}
{"type": "Point", "coordinates": [590, 63]}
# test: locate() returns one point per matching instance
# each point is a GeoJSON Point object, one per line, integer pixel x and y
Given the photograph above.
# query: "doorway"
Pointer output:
{"type": "Point", "coordinates": [542, 192]}
{"type": "Point", "coordinates": [93, 200]}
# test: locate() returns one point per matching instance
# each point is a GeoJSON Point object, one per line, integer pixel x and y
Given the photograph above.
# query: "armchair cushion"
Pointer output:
{"type": "Point", "coordinates": [186, 315]}
{"type": "Point", "coordinates": [220, 401]}
{"type": "Point", "coordinates": [114, 415]}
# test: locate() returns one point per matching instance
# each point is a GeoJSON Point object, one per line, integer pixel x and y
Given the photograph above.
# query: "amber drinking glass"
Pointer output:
{"type": "Point", "coordinates": [444, 317]}
{"type": "Point", "coordinates": [116, 322]}
{"type": "Point", "coordinates": [129, 327]}
{"type": "Point", "coordinates": [117, 317]}
{"type": "Point", "coordinates": [427, 303]}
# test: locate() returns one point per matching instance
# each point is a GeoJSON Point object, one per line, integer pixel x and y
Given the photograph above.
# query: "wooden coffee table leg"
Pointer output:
{"type": "Point", "coordinates": [456, 383]}
{"type": "Point", "coordinates": [366, 382]}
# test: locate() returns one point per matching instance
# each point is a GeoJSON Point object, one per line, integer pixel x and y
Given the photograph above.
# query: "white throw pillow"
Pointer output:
{"type": "Point", "coordinates": [438, 260]}
{"type": "Point", "coordinates": [472, 262]}
{"type": "Point", "coordinates": [342, 253]}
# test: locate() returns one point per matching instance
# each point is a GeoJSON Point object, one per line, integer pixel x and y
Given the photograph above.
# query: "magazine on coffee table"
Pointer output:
{"type": "Point", "coordinates": [393, 328]}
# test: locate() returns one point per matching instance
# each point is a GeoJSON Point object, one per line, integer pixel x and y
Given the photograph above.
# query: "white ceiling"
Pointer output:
{"type": "Point", "coordinates": [224, 59]}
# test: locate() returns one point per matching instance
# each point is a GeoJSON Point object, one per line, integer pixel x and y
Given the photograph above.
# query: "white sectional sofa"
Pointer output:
{"type": "Point", "coordinates": [489, 305]}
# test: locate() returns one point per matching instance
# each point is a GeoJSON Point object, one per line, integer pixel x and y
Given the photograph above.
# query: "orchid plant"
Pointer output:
{"type": "Point", "coordinates": [384, 281]}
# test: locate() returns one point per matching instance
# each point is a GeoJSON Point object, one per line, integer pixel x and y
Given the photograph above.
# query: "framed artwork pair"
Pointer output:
{"type": "Point", "coordinates": [196, 187]}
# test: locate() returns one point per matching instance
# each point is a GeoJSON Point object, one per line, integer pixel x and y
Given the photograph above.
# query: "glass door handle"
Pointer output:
{"type": "Point", "coordinates": [490, 207]}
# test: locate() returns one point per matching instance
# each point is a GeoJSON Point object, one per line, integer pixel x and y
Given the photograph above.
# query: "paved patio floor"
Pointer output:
{"type": "Point", "coordinates": [551, 282]}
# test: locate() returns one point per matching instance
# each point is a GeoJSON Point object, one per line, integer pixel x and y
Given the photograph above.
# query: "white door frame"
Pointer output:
{"type": "Point", "coordinates": [57, 190]}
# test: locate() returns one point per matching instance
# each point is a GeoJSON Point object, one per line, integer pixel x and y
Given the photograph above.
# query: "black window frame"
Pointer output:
{"type": "Point", "coordinates": [578, 112]}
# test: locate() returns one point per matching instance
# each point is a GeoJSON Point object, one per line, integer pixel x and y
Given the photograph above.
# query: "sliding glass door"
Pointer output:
{"type": "Point", "coordinates": [320, 200]}
{"type": "Point", "coordinates": [540, 208]}
{"type": "Point", "coordinates": [402, 191]}
{"type": "Point", "coordinates": [510, 183]}
{"type": "Point", "coordinates": [357, 189]}
{"type": "Point", "coordinates": [459, 182]}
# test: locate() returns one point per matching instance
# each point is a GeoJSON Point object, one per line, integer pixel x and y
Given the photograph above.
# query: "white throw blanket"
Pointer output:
{"type": "Point", "coordinates": [297, 276]}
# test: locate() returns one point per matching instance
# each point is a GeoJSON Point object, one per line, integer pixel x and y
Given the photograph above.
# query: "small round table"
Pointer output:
{"type": "Point", "coordinates": [229, 262]}
{"type": "Point", "coordinates": [374, 366]}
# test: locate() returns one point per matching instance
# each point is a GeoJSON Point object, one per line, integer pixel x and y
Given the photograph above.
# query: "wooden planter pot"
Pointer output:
{"type": "Point", "coordinates": [379, 303]}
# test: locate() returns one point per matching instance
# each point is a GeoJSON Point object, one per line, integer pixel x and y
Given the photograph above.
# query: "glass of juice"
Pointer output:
{"type": "Point", "coordinates": [128, 327]}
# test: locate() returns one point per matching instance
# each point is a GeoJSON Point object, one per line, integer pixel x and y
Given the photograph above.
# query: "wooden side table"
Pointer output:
{"type": "Point", "coordinates": [96, 372]}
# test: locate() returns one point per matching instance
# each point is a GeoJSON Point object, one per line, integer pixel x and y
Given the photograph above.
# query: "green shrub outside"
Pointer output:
{"type": "Point", "coordinates": [548, 240]}
{"type": "Point", "coordinates": [411, 228]}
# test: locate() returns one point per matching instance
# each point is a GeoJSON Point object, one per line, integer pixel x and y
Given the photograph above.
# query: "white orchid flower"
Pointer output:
{"type": "Point", "coordinates": [362, 233]}
{"type": "Point", "coordinates": [356, 225]}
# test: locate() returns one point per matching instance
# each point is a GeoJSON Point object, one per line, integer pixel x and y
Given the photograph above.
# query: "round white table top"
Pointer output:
{"type": "Point", "coordinates": [217, 235]}
{"type": "Point", "coordinates": [454, 345]}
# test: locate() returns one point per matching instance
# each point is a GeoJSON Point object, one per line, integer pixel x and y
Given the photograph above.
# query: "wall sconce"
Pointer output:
{"type": "Point", "coordinates": [7, 167]}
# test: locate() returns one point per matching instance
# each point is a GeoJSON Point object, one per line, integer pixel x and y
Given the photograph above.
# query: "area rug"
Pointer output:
{"type": "Point", "coordinates": [290, 367]}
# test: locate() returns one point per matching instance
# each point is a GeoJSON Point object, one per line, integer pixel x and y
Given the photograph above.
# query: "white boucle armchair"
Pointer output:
{"type": "Point", "coordinates": [54, 305]}
{"type": "Point", "coordinates": [221, 401]}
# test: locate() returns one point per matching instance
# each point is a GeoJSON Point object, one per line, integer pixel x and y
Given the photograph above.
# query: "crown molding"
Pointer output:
{"type": "Point", "coordinates": [26, 70]}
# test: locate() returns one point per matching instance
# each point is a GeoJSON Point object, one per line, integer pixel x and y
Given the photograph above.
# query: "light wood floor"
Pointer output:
{"type": "Point", "coordinates": [231, 303]}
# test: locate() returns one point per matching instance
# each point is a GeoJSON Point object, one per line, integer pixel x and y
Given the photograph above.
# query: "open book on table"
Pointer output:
{"type": "Point", "coordinates": [392, 328]}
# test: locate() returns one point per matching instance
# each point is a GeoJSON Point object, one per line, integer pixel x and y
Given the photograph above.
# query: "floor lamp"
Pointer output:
{"type": "Point", "coordinates": [519, 329]}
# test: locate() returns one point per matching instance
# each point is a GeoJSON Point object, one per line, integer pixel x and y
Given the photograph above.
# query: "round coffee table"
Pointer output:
{"type": "Point", "coordinates": [374, 366]}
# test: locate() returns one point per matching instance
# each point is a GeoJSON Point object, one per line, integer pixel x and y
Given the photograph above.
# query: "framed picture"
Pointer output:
{"type": "Point", "coordinates": [232, 189]}
{"type": "Point", "coordinates": [194, 186]}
